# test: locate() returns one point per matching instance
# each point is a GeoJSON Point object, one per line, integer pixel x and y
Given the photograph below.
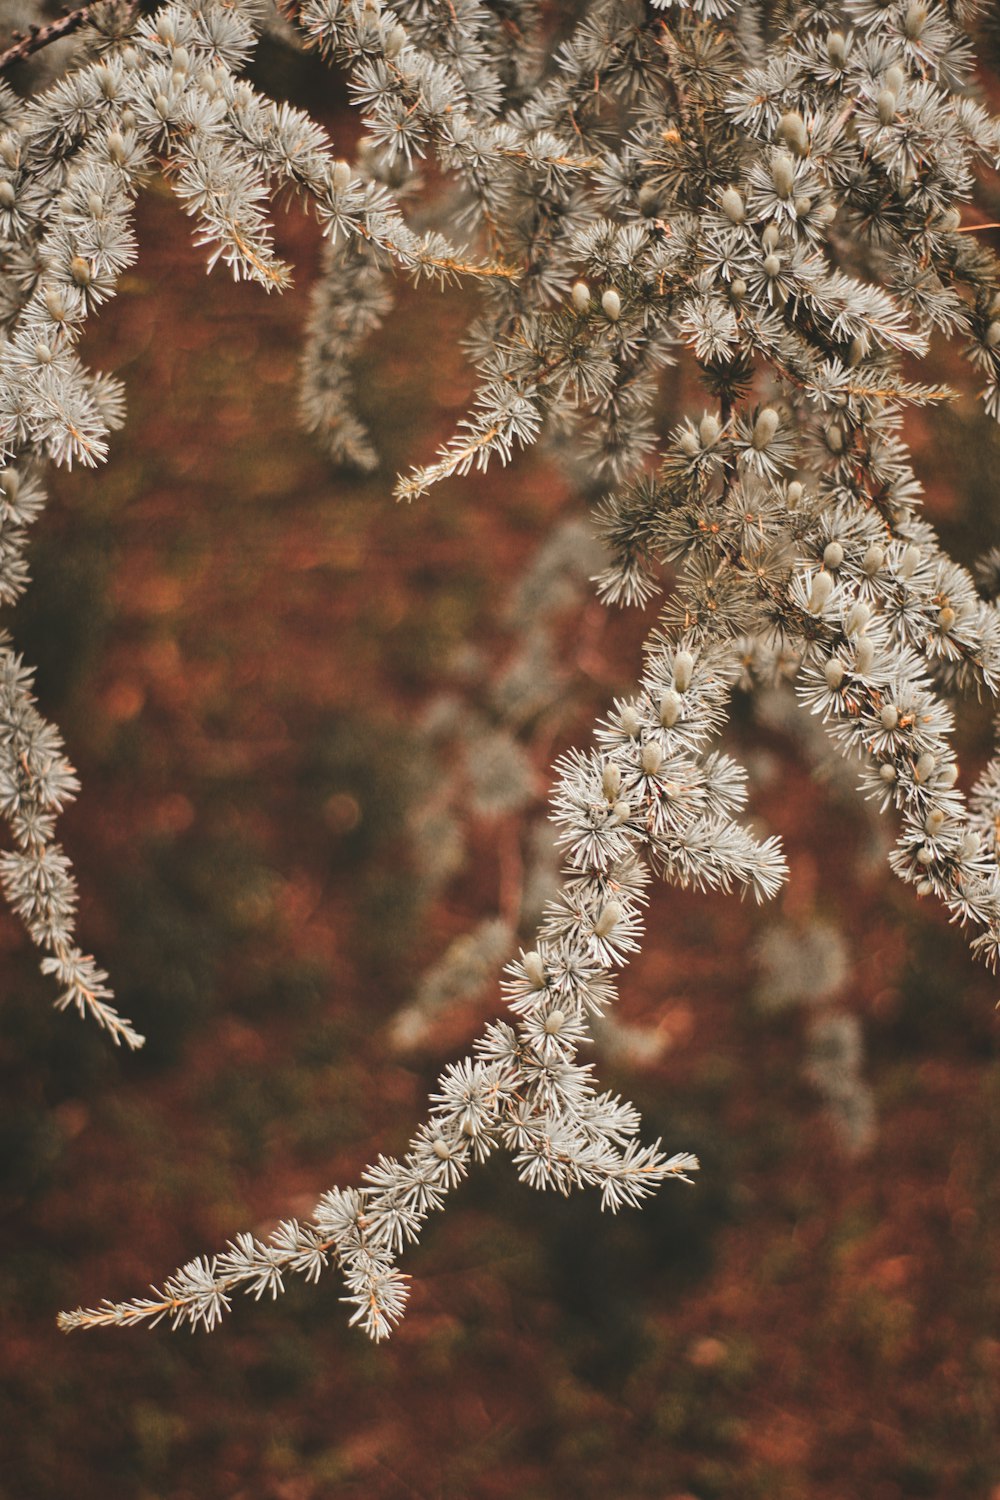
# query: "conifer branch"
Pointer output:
{"type": "Point", "coordinates": [774, 194]}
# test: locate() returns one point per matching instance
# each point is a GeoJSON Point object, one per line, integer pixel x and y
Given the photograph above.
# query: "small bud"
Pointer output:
{"type": "Point", "coordinates": [992, 335]}
{"type": "Point", "coordinates": [925, 856]}
{"type": "Point", "coordinates": [733, 206]}
{"type": "Point", "coordinates": [765, 427]}
{"type": "Point", "coordinates": [889, 717]}
{"type": "Point", "coordinates": [834, 436]}
{"type": "Point", "coordinates": [925, 766]}
{"type": "Point", "coordinates": [836, 49]}
{"type": "Point", "coordinates": [856, 351]}
{"type": "Point", "coordinates": [441, 1148]}
{"type": "Point", "coordinates": [55, 304]}
{"type": "Point", "coordinates": [630, 722]}
{"type": "Point", "coordinates": [946, 619]}
{"type": "Point", "coordinates": [857, 616]}
{"type": "Point", "coordinates": [708, 429]}
{"type": "Point", "coordinates": [181, 60]}
{"type": "Point", "coordinates": [737, 289]}
{"type": "Point", "coordinates": [948, 774]}
{"type": "Point", "coordinates": [914, 22]}
{"type": "Point", "coordinates": [771, 237]}
{"type": "Point", "coordinates": [10, 483]}
{"type": "Point", "coordinates": [772, 265]}
{"type": "Point", "coordinates": [116, 146]}
{"type": "Point", "coordinates": [794, 494]}
{"type": "Point", "coordinates": [580, 296]}
{"type": "Point", "coordinates": [340, 176]}
{"type": "Point", "coordinates": [924, 887]}
{"type": "Point", "coordinates": [651, 758]}
{"type": "Point", "coordinates": [689, 444]}
{"type": "Point", "coordinates": [622, 811]}
{"type": "Point", "coordinates": [648, 200]}
{"type": "Point", "coordinates": [611, 781]}
{"type": "Point", "coordinates": [395, 42]}
{"type": "Point", "coordinates": [864, 655]}
{"type": "Point", "coordinates": [834, 672]}
{"type": "Point", "coordinates": [895, 78]}
{"type": "Point", "coordinates": [9, 150]}
{"type": "Point", "coordinates": [909, 562]}
{"type": "Point", "coordinates": [670, 709]}
{"type": "Point", "coordinates": [608, 919]}
{"type": "Point", "coordinates": [95, 205]}
{"type": "Point", "coordinates": [534, 969]}
{"type": "Point", "coordinates": [162, 106]}
{"type": "Point", "coordinates": [683, 668]}
{"type": "Point", "coordinates": [611, 305]}
{"type": "Point", "coordinates": [7, 194]}
{"type": "Point", "coordinates": [554, 1022]}
{"type": "Point", "coordinates": [833, 555]}
{"type": "Point", "coordinates": [782, 174]}
{"type": "Point", "coordinates": [792, 130]}
{"type": "Point", "coordinates": [819, 594]}
{"type": "Point", "coordinates": [887, 773]}
{"type": "Point", "coordinates": [886, 106]}
{"type": "Point", "coordinates": [80, 271]}
{"type": "Point", "coordinates": [969, 847]}
{"type": "Point", "coordinates": [43, 354]}
{"type": "Point", "coordinates": [873, 559]}
{"type": "Point", "coordinates": [934, 821]}
{"type": "Point", "coordinates": [802, 204]}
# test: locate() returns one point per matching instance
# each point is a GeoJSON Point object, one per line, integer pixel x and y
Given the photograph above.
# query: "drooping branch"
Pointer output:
{"type": "Point", "coordinates": [790, 218]}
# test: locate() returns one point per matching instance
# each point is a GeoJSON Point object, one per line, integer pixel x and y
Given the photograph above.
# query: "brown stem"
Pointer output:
{"type": "Point", "coordinates": [40, 36]}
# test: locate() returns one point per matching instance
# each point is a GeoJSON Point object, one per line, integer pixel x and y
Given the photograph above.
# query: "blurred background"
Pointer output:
{"type": "Point", "coordinates": [314, 732]}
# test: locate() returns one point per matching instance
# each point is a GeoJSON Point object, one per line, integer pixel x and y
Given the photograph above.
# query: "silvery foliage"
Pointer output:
{"type": "Point", "coordinates": [155, 91]}
{"type": "Point", "coordinates": [484, 720]}
{"type": "Point", "coordinates": [775, 189]}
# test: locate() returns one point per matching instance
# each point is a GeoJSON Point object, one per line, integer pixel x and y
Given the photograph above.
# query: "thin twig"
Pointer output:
{"type": "Point", "coordinates": [40, 36]}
